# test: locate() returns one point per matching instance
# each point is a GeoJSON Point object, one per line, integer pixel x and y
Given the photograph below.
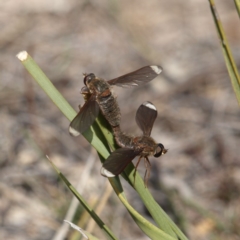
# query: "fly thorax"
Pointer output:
{"type": "Point", "coordinates": [101, 85]}
{"type": "Point", "coordinates": [146, 144]}
{"type": "Point", "coordinates": [97, 85]}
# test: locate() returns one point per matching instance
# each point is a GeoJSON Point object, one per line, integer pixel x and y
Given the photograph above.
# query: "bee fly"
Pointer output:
{"type": "Point", "coordinates": [98, 95]}
{"type": "Point", "coordinates": [142, 146]}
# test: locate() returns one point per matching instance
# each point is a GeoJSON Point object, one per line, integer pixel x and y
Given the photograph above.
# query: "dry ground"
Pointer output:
{"type": "Point", "coordinates": [197, 182]}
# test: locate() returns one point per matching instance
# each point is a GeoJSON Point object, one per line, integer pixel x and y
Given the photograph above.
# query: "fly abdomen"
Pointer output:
{"type": "Point", "coordinates": [122, 139]}
{"type": "Point", "coordinates": [109, 108]}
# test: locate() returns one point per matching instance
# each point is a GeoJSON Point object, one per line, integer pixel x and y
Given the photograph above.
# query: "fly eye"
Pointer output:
{"type": "Point", "coordinates": [88, 78]}
{"type": "Point", "coordinates": [160, 150]}
{"type": "Point", "coordinates": [84, 90]}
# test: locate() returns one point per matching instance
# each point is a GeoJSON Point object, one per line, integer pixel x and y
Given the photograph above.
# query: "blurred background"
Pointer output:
{"type": "Point", "coordinates": [196, 182]}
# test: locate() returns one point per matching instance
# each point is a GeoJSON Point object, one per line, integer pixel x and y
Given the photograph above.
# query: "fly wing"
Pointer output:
{"type": "Point", "coordinates": [138, 77]}
{"type": "Point", "coordinates": [117, 161]}
{"type": "Point", "coordinates": [145, 117]}
{"type": "Point", "coordinates": [85, 117]}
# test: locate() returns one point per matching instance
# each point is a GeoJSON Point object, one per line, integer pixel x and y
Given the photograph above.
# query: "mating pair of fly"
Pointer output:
{"type": "Point", "coordinates": [99, 97]}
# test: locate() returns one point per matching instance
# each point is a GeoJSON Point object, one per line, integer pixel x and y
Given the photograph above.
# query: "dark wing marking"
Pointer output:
{"type": "Point", "coordinates": [145, 117]}
{"type": "Point", "coordinates": [138, 77]}
{"type": "Point", "coordinates": [117, 161]}
{"type": "Point", "coordinates": [85, 117]}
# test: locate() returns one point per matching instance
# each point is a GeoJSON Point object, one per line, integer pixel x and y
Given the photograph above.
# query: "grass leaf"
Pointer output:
{"type": "Point", "coordinates": [237, 4]}
{"type": "Point", "coordinates": [230, 63]}
{"type": "Point", "coordinates": [96, 218]}
{"type": "Point", "coordinates": [100, 136]}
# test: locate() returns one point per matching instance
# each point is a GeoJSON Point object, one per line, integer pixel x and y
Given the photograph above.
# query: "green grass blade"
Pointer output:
{"type": "Point", "coordinates": [148, 228]}
{"type": "Point", "coordinates": [94, 136]}
{"type": "Point", "coordinates": [230, 63]}
{"type": "Point", "coordinates": [237, 4]}
{"type": "Point", "coordinates": [159, 216]}
{"type": "Point", "coordinates": [59, 100]}
{"type": "Point", "coordinates": [151, 231]}
{"type": "Point", "coordinates": [94, 216]}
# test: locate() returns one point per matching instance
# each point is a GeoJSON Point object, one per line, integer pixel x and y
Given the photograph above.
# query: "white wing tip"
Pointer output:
{"type": "Point", "coordinates": [22, 56]}
{"type": "Point", "coordinates": [149, 105]}
{"type": "Point", "coordinates": [106, 173]}
{"type": "Point", "coordinates": [156, 69]}
{"type": "Point", "coordinates": [73, 131]}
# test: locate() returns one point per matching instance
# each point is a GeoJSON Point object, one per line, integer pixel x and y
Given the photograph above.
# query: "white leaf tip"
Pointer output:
{"type": "Point", "coordinates": [22, 56]}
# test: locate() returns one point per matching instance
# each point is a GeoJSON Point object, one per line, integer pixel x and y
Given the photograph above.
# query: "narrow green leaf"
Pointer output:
{"type": "Point", "coordinates": [59, 100]}
{"type": "Point", "coordinates": [146, 226]}
{"type": "Point", "coordinates": [159, 216]}
{"type": "Point", "coordinates": [230, 63]}
{"type": "Point", "coordinates": [96, 218]}
{"type": "Point", "coordinates": [150, 230]}
{"type": "Point", "coordinates": [237, 4]}
{"type": "Point", "coordinates": [94, 136]}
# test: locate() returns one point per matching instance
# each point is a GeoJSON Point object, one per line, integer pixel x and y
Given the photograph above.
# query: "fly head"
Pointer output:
{"type": "Point", "coordinates": [160, 150]}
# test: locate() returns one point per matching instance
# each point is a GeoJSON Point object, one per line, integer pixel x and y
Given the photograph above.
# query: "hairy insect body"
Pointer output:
{"type": "Point", "coordinates": [98, 96]}
{"type": "Point", "coordinates": [106, 100]}
{"type": "Point", "coordinates": [146, 144]}
{"type": "Point", "coordinates": [122, 139]}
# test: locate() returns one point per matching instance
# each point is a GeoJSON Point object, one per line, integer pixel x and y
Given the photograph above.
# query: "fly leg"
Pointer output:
{"type": "Point", "coordinates": [148, 170]}
{"type": "Point", "coordinates": [134, 174]}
